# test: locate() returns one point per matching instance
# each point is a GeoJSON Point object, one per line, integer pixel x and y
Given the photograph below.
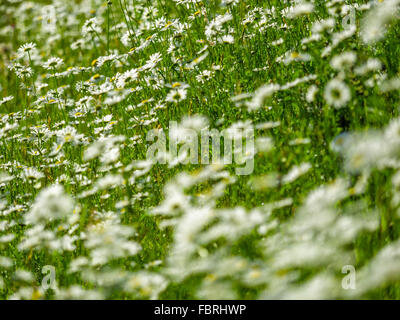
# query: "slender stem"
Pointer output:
{"type": "Point", "coordinates": [33, 71]}
{"type": "Point", "coordinates": [108, 28]}
{"type": "Point", "coordinates": [126, 20]}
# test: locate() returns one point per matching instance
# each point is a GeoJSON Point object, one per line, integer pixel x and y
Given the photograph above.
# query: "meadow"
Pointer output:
{"type": "Point", "coordinates": [90, 87]}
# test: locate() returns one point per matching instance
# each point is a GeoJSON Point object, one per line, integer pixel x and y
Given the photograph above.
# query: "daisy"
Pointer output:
{"type": "Point", "coordinates": [152, 62]}
{"type": "Point", "coordinates": [176, 95]}
{"type": "Point", "coordinates": [31, 174]}
{"type": "Point", "coordinates": [24, 72]}
{"type": "Point", "coordinates": [337, 93]}
{"type": "Point", "coordinates": [300, 8]}
{"type": "Point", "coordinates": [51, 203]}
{"type": "Point", "coordinates": [26, 49]}
{"type": "Point", "coordinates": [127, 77]}
{"type": "Point", "coordinates": [91, 26]}
{"type": "Point", "coordinates": [53, 63]}
{"type": "Point", "coordinates": [344, 60]}
{"type": "Point", "coordinates": [6, 99]}
{"type": "Point", "coordinates": [311, 92]}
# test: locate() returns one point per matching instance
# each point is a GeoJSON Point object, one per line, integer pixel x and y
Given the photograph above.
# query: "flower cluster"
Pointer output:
{"type": "Point", "coordinates": [84, 82]}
